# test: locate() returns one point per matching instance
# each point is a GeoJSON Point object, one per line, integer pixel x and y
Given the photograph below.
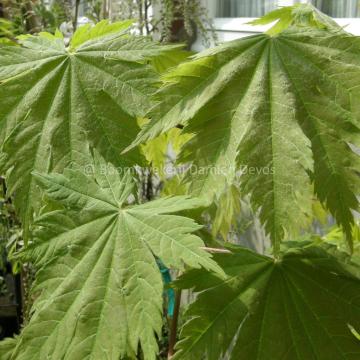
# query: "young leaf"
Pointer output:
{"type": "Point", "coordinates": [156, 151]}
{"type": "Point", "coordinates": [54, 100]}
{"type": "Point", "coordinates": [280, 111]}
{"type": "Point", "coordinates": [99, 289]}
{"type": "Point", "coordinates": [301, 15]}
{"type": "Point", "coordinates": [89, 32]}
{"type": "Point", "coordinates": [227, 211]}
{"type": "Point", "coordinates": [170, 59]}
{"type": "Point", "coordinates": [301, 307]}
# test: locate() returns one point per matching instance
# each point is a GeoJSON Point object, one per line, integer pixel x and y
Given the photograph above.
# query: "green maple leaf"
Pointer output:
{"type": "Point", "coordinates": [7, 347]}
{"type": "Point", "coordinates": [305, 306]}
{"type": "Point", "coordinates": [89, 32]}
{"type": "Point", "coordinates": [301, 15]}
{"type": "Point", "coordinates": [282, 111]}
{"type": "Point", "coordinates": [170, 59]}
{"type": "Point", "coordinates": [98, 289]}
{"type": "Point", "coordinates": [55, 99]}
{"type": "Point", "coordinates": [228, 208]}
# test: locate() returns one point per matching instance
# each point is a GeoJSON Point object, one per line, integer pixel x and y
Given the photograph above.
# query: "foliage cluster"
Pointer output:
{"type": "Point", "coordinates": [171, 21]}
{"type": "Point", "coordinates": [273, 119]}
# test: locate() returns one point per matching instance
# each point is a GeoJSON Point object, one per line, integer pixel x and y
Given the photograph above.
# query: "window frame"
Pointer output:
{"type": "Point", "coordinates": [239, 24]}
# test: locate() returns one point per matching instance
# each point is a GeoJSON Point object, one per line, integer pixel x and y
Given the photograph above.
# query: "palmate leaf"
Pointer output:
{"type": "Point", "coordinates": [98, 289]}
{"type": "Point", "coordinates": [54, 100]}
{"type": "Point", "coordinates": [281, 110]}
{"type": "Point", "coordinates": [304, 306]}
{"type": "Point", "coordinates": [158, 154]}
{"type": "Point", "coordinates": [170, 59]}
{"type": "Point", "coordinates": [7, 347]}
{"type": "Point", "coordinates": [89, 32]}
{"type": "Point", "coordinates": [302, 15]}
{"type": "Point", "coordinates": [227, 211]}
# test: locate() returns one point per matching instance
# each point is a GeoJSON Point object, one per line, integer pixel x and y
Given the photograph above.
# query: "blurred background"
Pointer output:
{"type": "Point", "coordinates": [166, 20]}
{"type": "Point", "coordinates": [199, 23]}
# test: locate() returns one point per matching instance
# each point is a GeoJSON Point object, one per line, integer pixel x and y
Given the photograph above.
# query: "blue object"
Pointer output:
{"type": "Point", "coordinates": [169, 293]}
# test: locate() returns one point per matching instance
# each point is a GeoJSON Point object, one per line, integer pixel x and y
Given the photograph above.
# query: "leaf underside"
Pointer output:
{"type": "Point", "coordinates": [56, 101]}
{"type": "Point", "coordinates": [302, 307]}
{"type": "Point", "coordinates": [98, 289]}
{"type": "Point", "coordinates": [7, 347]}
{"type": "Point", "coordinates": [279, 112]}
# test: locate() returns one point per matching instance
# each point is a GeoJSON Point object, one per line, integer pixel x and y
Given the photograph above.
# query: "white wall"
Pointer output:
{"type": "Point", "coordinates": [233, 28]}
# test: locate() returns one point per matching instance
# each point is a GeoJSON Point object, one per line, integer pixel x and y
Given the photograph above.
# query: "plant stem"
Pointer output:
{"type": "Point", "coordinates": [146, 16]}
{"type": "Point", "coordinates": [215, 250]}
{"type": "Point", "coordinates": [109, 8]}
{"type": "Point", "coordinates": [105, 10]}
{"type": "Point", "coordinates": [33, 24]}
{"type": "Point", "coordinates": [77, 4]}
{"type": "Point", "coordinates": [174, 323]}
{"type": "Point", "coordinates": [149, 186]}
{"type": "Point", "coordinates": [141, 16]}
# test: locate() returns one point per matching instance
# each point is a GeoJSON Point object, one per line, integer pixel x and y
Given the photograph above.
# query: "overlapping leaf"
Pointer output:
{"type": "Point", "coordinates": [278, 110]}
{"type": "Point", "coordinates": [300, 15]}
{"type": "Point", "coordinates": [54, 100]}
{"type": "Point", "coordinates": [170, 59]}
{"type": "Point", "coordinates": [304, 306]}
{"type": "Point", "coordinates": [227, 211]}
{"type": "Point", "coordinates": [7, 347]}
{"type": "Point", "coordinates": [163, 150]}
{"type": "Point", "coordinates": [99, 290]}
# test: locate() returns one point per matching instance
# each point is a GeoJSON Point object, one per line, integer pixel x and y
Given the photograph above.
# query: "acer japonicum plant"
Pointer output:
{"type": "Point", "coordinates": [286, 100]}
